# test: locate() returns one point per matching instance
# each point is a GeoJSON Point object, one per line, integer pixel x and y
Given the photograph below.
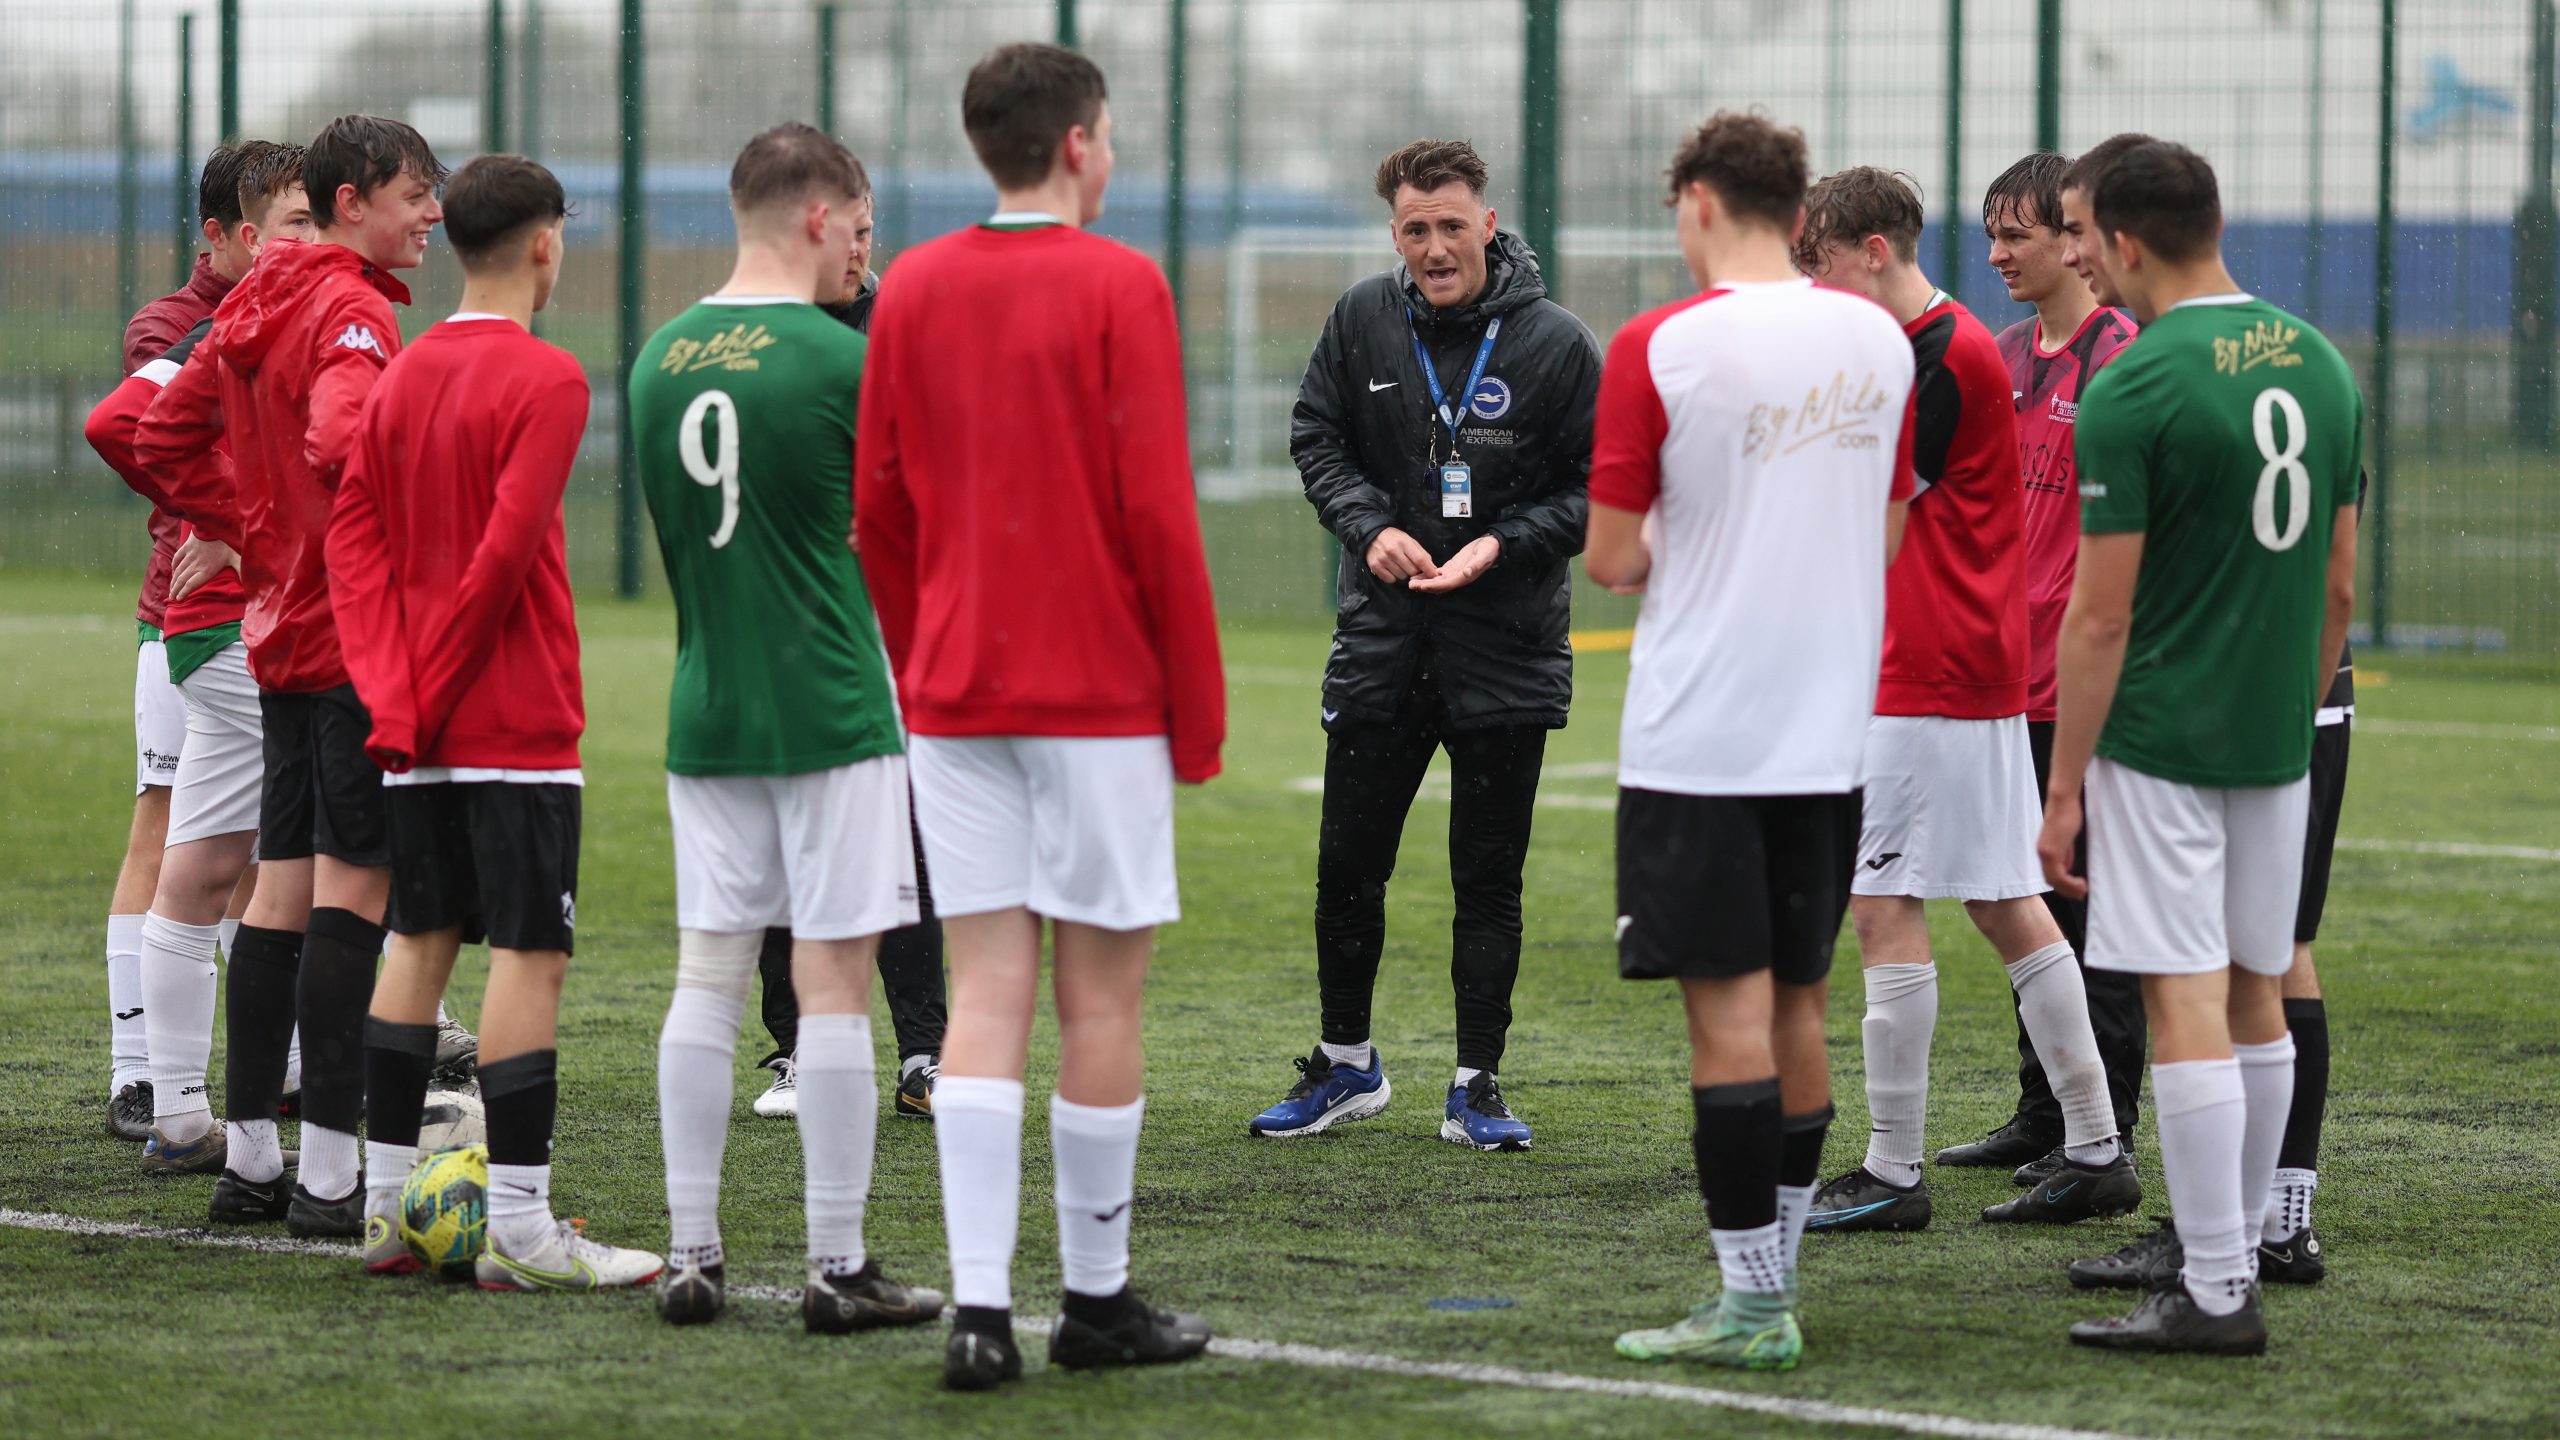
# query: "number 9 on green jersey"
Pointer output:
{"type": "Point", "coordinates": [742, 414]}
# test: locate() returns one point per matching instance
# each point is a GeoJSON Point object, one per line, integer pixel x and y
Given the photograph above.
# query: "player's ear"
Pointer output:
{"type": "Point", "coordinates": [1489, 219]}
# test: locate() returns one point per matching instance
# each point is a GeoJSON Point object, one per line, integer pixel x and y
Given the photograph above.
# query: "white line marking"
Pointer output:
{"type": "Point", "coordinates": [2448, 847]}
{"type": "Point", "coordinates": [1811, 1412]}
{"type": "Point", "coordinates": [2458, 730]}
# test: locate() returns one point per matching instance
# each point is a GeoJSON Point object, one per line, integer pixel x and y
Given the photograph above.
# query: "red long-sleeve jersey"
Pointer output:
{"type": "Point", "coordinates": [294, 350]}
{"type": "Point", "coordinates": [110, 431]}
{"type": "Point", "coordinates": [154, 328]}
{"type": "Point", "coordinates": [1023, 496]}
{"type": "Point", "coordinates": [448, 566]}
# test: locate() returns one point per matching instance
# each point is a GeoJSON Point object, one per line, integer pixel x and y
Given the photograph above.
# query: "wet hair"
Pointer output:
{"type": "Point", "coordinates": [1755, 166]}
{"type": "Point", "coordinates": [368, 152]}
{"type": "Point", "coordinates": [218, 185]}
{"type": "Point", "coordinates": [2163, 195]}
{"type": "Point", "coordinates": [267, 170]}
{"type": "Point", "coordinates": [2029, 192]}
{"type": "Point", "coordinates": [792, 163]}
{"type": "Point", "coordinates": [1427, 165]}
{"type": "Point", "coordinates": [1863, 200]}
{"type": "Point", "coordinates": [494, 201]}
{"type": "Point", "coordinates": [1020, 102]}
{"type": "Point", "coordinates": [2094, 161]}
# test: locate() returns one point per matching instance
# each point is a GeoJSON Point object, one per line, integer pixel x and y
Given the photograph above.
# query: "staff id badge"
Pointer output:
{"type": "Point", "coordinates": [1457, 491]}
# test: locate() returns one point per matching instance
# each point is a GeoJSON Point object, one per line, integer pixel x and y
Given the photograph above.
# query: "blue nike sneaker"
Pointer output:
{"type": "Point", "coordinates": [1860, 1201]}
{"type": "Point", "coordinates": [1477, 1117]}
{"type": "Point", "coordinates": [1328, 1093]}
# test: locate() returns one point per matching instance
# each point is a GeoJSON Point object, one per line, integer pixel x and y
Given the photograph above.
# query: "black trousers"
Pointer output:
{"type": "Point", "coordinates": [910, 971]}
{"type": "Point", "coordinates": [1371, 773]}
{"type": "Point", "coordinates": [2115, 999]}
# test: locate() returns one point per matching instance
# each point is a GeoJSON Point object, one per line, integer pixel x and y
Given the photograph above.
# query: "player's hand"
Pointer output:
{"type": "Point", "coordinates": [1396, 557]}
{"type": "Point", "coordinates": [1463, 568]}
{"type": "Point", "coordinates": [198, 560]}
{"type": "Point", "coordinates": [2054, 846]}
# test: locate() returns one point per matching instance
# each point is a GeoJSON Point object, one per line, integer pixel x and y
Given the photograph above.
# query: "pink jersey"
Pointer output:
{"type": "Point", "coordinates": [2048, 389]}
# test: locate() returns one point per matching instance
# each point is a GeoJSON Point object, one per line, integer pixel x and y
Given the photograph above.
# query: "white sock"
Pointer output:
{"type": "Point", "coordinates": [913, 1063]}
{"type": "Point", "coordinates": [520, 1206]}
{"type": "Point", "coordinates": [2203, 1113]}
{"type": "Point", "coordinates": [2289, 1206]}
{"type": "Point", "coordinates": [178, 984]}
{"type": "Point", "coordinates": [2053, 1003]}
{"type": "Point", "coordinates": [839, 1125]}
{"type": "Point", "coordinates": [697, 1051]}
{"type": "Point", "coordinates": [1794, 1203]}
{"type": "Point", "coordinates": [1096, 1147]}
{"type": "Point", "coordinates": [1464, 1075]}
{"type": "Point", "coordinates": [386, 1169]}
{"type": "Point", "coordinates": [331, 1163]}
{"type": "Point", "coordinates": [1902, 1013]}
{"type": "Point", "coordinates": [1358, 1057]}
{"type": "Point", "coordinates": [230, 933]}
{"type": "Point", "coordinates": [2266, 1076]}
{"type": "Point", "coordinates": [1753, 1260]}
{"type": "Point", "coordinates": [977, 1131]}
{"type": "Point", "coordinates": [129, 1052]}
{"type": "Point", "coordinates": [254, 1153]}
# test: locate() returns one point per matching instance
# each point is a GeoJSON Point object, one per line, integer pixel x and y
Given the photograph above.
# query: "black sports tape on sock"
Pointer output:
{"type": "Point", "coordinates": [1800, 1146]}
{"type": "Point", "coordinates": [2309, 1022]}
{"type": "Point", "coordinates": [522, 1093]}
{"type": "Point", "coordinates": [397, 1060]}
{"type": "Point", "coordinates": [258, 1020]}
{"type": "Point", "coordinates": [339, 956]}
{"type": "Point", "coordinates": [1737, 1145]}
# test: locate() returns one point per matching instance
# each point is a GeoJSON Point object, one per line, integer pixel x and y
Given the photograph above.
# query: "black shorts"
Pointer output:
{"type": "Point", "coordinates": [497, 859]}
{"type": "Point", "coordinates": [2328, 791]}
{"type": "Point", "coordinates": [1714, 886]}
{"type": "Point", "coordinates": [322, 795]}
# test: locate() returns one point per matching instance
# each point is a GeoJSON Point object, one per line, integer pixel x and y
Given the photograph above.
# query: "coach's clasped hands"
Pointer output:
{"type": "Point", "coordinates": [1399, 559]}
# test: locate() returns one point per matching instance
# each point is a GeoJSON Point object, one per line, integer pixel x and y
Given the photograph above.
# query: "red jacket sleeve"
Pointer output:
{"type": "Point", "coordinates": [542, 445]}
{"type": "Point", "coordinates": [1151, 462]}
{"type": "Point", "coordinates": [110, 432]}
{"type": "Point", "coordinates": [175, 444]}
{"type": "Point", "coordinates": [356, 338]}
{"type": "Point", "coordinates": [364, 593]}
{"type": "Point", "coordinates": [1628, 429]}
{"type": "Point", "coordinates": [884, 514]}
{"type": "Point", "coordinates": [152, 330]}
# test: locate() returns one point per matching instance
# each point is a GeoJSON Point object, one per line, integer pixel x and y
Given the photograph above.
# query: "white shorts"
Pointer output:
{"type": "Point", "coordinates": [2184, 880]}
{"type": "Point", "coordinates": [827, 853]}
{"type": "Point", "coordinates": [224, 765]}
{"type": "Point", "coordinates": [1072, 828]}
{"type": "Point", "coordinates": [159, 719]}
{"type": "Point", "coordinates": [1951, 811]}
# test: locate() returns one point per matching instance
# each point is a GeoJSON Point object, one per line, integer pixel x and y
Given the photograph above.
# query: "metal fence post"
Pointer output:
{"type": "Point", "coordinates": [2314, 240]}
{"type": "Point", "coordinates": [1950, 249]}
{"type": "Point", "coordinates": [827, 68]}
{"type": "Point", "coordinates": [2048, 74]}
{"type": "Point", "coordinates": [2537, 251]}
{"type": "Point", "coordinates": [1540, 137]}
{"type": "Point", "coordinates": [493, 117]}
{"type": "Point", "coordinates": [631, 217]}
{"type": "Point", "coordinates": [1067, 23]}
{"type": "Point", "coordinates": [529, 111]}
{"type": "Point", "coordinates": [226, 44]}
{"type": "Point", "coordinates": [901, 58]}
{"type": "Point", "coordinates": [128, 161]}
{"type": "Point", "coordinates": [1177, 165]}
{"type": "Point", "coordinates": [2378, 503]}
{"type": "Point", "coordinates": [182, 168]}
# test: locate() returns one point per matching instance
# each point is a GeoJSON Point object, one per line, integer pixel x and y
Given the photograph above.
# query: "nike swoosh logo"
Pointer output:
{"type": "Point", "coordinates": [1375, 387]}
{"type": "Point", "coordinates": [576, 1274]}
{"type": "Point", "coordinates": [1836, 1216]}
{"type": "Point", "coordinates": [2054, 1197]}
{"type": "Point", "coordinates": [525, 1190]}
{"type": "Point", "coordinates": [1114, 1213]}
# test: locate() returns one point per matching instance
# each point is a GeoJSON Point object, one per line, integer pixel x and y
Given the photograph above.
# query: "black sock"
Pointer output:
{"type": "Point", "coordinates": [1800, 1140]}
{"type": "Point", "coordinates": [338, 960]}
{"type": "Point", "coordinates": [258, 1021]}
{"type": "Point", "coordinates": [984, 1319]}
{"type": "Point", "coordinates": [522, 1093]}
{"type": "Point", "coordinates": [397, 1059]}
{"type": "Point", "coordinates": [1738, 1144]}
{"type": "Point", "coordinates": [2309, 1022]}
{"type": "Point", "coordinates": [781, 1003]}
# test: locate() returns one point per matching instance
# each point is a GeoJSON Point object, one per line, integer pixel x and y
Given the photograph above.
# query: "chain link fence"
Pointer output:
{"type": "Point", "coordinates": [2417, 233]}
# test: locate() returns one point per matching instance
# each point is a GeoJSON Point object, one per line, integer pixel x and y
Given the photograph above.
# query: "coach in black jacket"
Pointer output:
{"type": "Point", "coordinates": [1457, 521]}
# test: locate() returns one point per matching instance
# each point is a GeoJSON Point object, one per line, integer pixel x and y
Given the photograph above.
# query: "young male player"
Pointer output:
{"type": "Point", "coordinates": [1950, 802]}
{"type": "Point", "coordinates": [2052, 355]}
{"type": "Point", "coordinates": [2217, 463]}
{"type": "Point", "coordinates": [1759, 527]}
{"type": "Point", "coordinates": [449, 574]}
{"type": "Point", "coordinates": [785, 777]}
{"type": "Point", "coordinates": [1027, 521]}
{"type": "Point", "coordinates": [159, 713]}
{"type": "Point", "coordinates": [283, 375]}
{"type": "Point", "coordinates": [213, 810]}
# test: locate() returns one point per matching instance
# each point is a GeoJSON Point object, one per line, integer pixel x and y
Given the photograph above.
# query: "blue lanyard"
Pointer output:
{"type": "Point", "coordinates": [1431, 375]}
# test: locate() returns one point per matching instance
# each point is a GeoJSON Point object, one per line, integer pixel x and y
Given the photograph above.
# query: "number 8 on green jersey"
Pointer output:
{"type": "Point", "coordinates": [743, 416]}
{"type": "Point", "coordinates": [2229, 433]}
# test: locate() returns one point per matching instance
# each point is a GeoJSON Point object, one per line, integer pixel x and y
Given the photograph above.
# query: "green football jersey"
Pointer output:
{"type": "Point", "coordinates": [743, 415]}
{"type": "Point", "coordinates": [2229, 433]}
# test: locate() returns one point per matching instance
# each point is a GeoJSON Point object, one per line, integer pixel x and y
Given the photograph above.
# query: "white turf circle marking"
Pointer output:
{"type": "Point", "coordinates": [1811, 1412]}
